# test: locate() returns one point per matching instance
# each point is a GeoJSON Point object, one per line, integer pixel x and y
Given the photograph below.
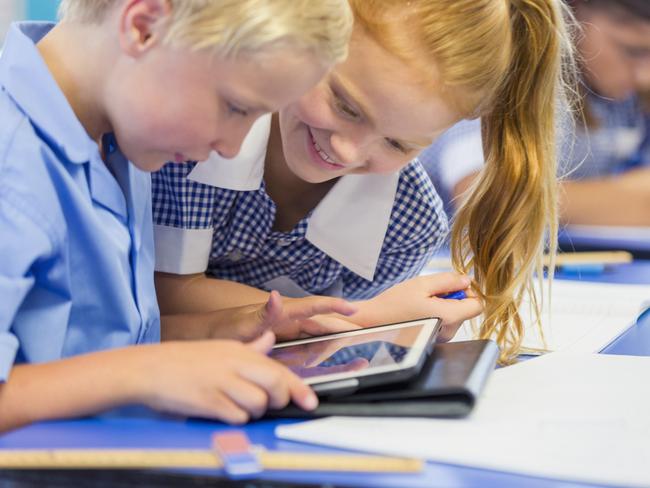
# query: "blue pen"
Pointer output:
{"type": "Point", "coordinates": [455, 295]}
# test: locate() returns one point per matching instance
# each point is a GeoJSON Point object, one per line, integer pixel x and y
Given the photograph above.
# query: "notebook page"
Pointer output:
{"type": "Point", "coordinates": [584, 316]}
{"type": "Point", "coordinates": [579, 417]}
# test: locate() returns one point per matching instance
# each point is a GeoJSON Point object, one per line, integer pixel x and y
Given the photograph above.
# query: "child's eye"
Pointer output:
{"type": "Point", "coordinates": [346, 109]}
{"type": "Point", "coordinates": [396, 145]}
{"type": "Point", "coordinates": [234, 109]}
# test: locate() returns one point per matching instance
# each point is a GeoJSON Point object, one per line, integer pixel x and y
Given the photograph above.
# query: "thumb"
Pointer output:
{"type": "Point", "coordinates": [272, 310]}
{"type": "Point", "coordinates": [263, 343]}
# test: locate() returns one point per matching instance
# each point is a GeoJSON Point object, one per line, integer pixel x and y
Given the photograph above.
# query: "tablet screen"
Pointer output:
{"type": "Point", "coordinates": [359, 352]}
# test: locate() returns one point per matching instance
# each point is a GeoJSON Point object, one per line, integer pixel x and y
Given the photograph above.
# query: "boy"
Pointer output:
{"type": "Point", "coordinates": [143, 81]}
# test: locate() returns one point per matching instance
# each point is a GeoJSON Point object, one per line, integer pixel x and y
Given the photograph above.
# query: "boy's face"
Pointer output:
{"type": "Point", "coordinates": [171, 103]}
{"type": "Point", "coordinates": [178, 105]}
{"type": "Point", "coordinates": [615, 51]}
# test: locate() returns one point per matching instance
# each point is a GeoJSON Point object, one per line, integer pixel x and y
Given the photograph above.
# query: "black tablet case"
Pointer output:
{"type": "Point", "coordinates": [448, 386]}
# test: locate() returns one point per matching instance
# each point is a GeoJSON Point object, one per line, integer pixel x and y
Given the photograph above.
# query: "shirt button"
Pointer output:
{"type": "Point", "coordinates": [235, 255]}
{"type": "Point", "coordinates": [284, 242]}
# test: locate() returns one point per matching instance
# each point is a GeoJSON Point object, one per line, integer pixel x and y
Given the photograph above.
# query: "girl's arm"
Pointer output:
{"type": "Point", "coordinates": [615, 200]}
{"type": "Point", "coordinates": [198, 293]}
{"type": "Point", "coordinates": [288, 320]}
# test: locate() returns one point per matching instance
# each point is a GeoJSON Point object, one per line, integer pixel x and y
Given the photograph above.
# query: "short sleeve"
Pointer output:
{"type": "Point", "coordinates": [418, 227]}
{"type": "Point", "coordinates": [183, 220]}
{"type": "Point", "coordinates": [24, 246]}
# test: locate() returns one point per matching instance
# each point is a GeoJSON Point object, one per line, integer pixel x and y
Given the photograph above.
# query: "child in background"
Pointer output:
{"type": "Point", "coordinates": [605, 165]}
{"type": "Point", "coordinates": [330, 203]}
{"type": "Point", "coordinates": [142, 81]}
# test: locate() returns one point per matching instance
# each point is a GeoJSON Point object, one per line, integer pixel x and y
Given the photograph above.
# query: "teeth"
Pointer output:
{"type": "Point", "coordinates": [322, 153]}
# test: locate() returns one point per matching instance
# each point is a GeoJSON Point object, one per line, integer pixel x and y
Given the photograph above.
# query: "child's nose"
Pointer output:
{"type": "Point", "coordinates": [349, 148]}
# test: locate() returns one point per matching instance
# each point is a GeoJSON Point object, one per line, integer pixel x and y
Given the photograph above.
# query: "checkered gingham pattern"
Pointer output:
{"type": "Point", "coordinates": [246, 249]}
{"type": "Point", "coordinates": [595, 156]}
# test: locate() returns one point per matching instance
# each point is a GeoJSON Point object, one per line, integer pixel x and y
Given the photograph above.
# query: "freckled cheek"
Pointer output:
{"type": "Point", "coordinates": [386, 164]}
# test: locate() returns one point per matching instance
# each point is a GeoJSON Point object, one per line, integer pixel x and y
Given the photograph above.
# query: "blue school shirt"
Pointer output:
{"type": "Point", "coordinates": [368, 233]}
{"type": "Point", "coordinates": [76, 239]}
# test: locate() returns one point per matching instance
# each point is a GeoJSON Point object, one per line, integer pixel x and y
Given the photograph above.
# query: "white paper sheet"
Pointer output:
{"type": "Point", "coordinates": [577, 417]}
{"type": "Point", "coordinates": [584, 317]}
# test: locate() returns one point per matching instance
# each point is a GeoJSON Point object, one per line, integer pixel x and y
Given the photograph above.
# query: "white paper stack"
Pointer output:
{"type": "Point", "coordinates": [579, 417]}
{"type": "Point", "coordinates": [584, 317]}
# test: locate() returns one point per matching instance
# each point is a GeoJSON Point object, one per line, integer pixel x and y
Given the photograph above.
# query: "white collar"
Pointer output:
{"type": "Point", "coordinates": [349, 224]}
{"type": "Point", "coordinates": [245, 171]}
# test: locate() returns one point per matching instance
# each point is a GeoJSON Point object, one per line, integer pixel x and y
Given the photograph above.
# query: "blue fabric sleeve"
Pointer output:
{"type": "Point", "coordinates": [22, 245]}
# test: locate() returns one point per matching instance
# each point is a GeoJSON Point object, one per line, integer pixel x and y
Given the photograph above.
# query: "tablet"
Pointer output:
{"type": "Point", "coordinates": [344, 362]}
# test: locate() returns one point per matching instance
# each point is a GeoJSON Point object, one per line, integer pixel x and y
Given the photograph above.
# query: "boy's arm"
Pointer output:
{"type": "Point", "coordinates": [241, 383]}
{"type": "Point", "coordinates": [68, 388]}
{"type": "Point", "coordinates": [615, 200]}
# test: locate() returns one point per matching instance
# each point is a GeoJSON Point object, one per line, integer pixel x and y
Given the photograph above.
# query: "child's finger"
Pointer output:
{"type": "Point", "coordinates": [441, 283]}
{"type": "Point", "coordinates": [249, 397]}
{"type": "Point", "coordinates": [281, 385]}
{"type": "Point", "coordinates": [301, 394]}
{"type": "Point", "coordinates": [325, 325]}
{"type": "Point", "coordinates": [223, 408]}
{"type": "Point", "coordinates": [308, 307]}
{"type": "Point", "coordinates": [264, 343]}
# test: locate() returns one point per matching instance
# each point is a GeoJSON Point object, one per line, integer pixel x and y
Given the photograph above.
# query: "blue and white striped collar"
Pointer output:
{"type": "Point", "coordinates": [349, 224]}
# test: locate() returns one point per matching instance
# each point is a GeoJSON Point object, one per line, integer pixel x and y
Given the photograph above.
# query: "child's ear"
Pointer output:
{"type": "Point", "coordinates": [143, 23]}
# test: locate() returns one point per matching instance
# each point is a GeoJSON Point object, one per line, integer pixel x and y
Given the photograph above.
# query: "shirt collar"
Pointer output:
{"type": "Point", "coordinates": [349, 224]}
{"type": "Point", "coordinates": [23, 73]}
{"type": "Point", "coordinates": [245, 171]}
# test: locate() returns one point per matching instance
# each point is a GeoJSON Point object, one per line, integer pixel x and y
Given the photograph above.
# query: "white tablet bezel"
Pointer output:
{"type": "Point", "coordinates": [413, 358]}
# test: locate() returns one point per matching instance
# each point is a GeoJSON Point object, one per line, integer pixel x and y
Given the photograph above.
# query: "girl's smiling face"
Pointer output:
{"type": "Point", "coordinates": [371, 114]}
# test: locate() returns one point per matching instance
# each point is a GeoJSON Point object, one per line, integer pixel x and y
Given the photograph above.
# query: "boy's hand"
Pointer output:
{"type": "Point", "coordinates": [290, 318]}
{"type": "Point", "coordinates": [418, 298]}
{"type": "Point", "coordinates": [224, 380]}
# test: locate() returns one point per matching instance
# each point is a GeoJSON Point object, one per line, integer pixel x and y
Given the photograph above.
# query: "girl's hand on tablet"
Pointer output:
{"type": "Point", "coordinates": [287, 318]}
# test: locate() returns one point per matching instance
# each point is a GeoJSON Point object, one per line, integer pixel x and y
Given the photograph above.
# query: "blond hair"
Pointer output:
{"type": "Point", "coordinates": [232, 27]}
{"type": "Point", "coordinates": [502, 60]}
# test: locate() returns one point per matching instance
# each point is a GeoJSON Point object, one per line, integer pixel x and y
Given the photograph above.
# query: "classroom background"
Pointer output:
{"type": "Point", "coordinates": [11, 10]}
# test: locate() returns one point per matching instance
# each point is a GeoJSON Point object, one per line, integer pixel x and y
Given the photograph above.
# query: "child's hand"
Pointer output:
{"type": "Point", "coordinates": [290, 318]}
{"type": "Point", "coordinates": [224, 380]}
{"type": "Point", "coordinates": [418, 298]}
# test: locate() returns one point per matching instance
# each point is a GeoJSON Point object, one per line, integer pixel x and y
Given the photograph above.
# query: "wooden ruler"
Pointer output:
{"type": "Point", "coordinates": [561, 259]}
{"type": "Point", "coordinates": [188, 458]}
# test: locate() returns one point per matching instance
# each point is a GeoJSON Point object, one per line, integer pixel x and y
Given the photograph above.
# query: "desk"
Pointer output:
{"type": "Point", "coordinates": [596, 238]}
{"type": "Point", "coordinates": [134, 432]}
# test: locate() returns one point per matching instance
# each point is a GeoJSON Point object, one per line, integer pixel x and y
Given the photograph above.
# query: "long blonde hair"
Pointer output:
{"type": "Point", "coordinates": [506, 61]}
{"type": "Point", "coordinates": [231, 27]}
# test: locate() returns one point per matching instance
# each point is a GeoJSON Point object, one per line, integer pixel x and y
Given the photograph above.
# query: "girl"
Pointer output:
{"type": "Point", "coordinates": [340, 209]}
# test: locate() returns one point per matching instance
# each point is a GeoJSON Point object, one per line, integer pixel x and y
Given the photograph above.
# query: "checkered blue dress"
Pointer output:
{"type": "Point", "coordinates": [246, 249]}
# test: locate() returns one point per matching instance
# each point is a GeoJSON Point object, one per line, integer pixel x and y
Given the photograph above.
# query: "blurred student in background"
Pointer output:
{"type": "Point", "coordinates": [605, 161]}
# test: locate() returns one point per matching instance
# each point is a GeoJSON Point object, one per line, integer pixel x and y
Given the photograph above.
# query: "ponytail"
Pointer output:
{"type": "Point", "coordinates": [510, 215]}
